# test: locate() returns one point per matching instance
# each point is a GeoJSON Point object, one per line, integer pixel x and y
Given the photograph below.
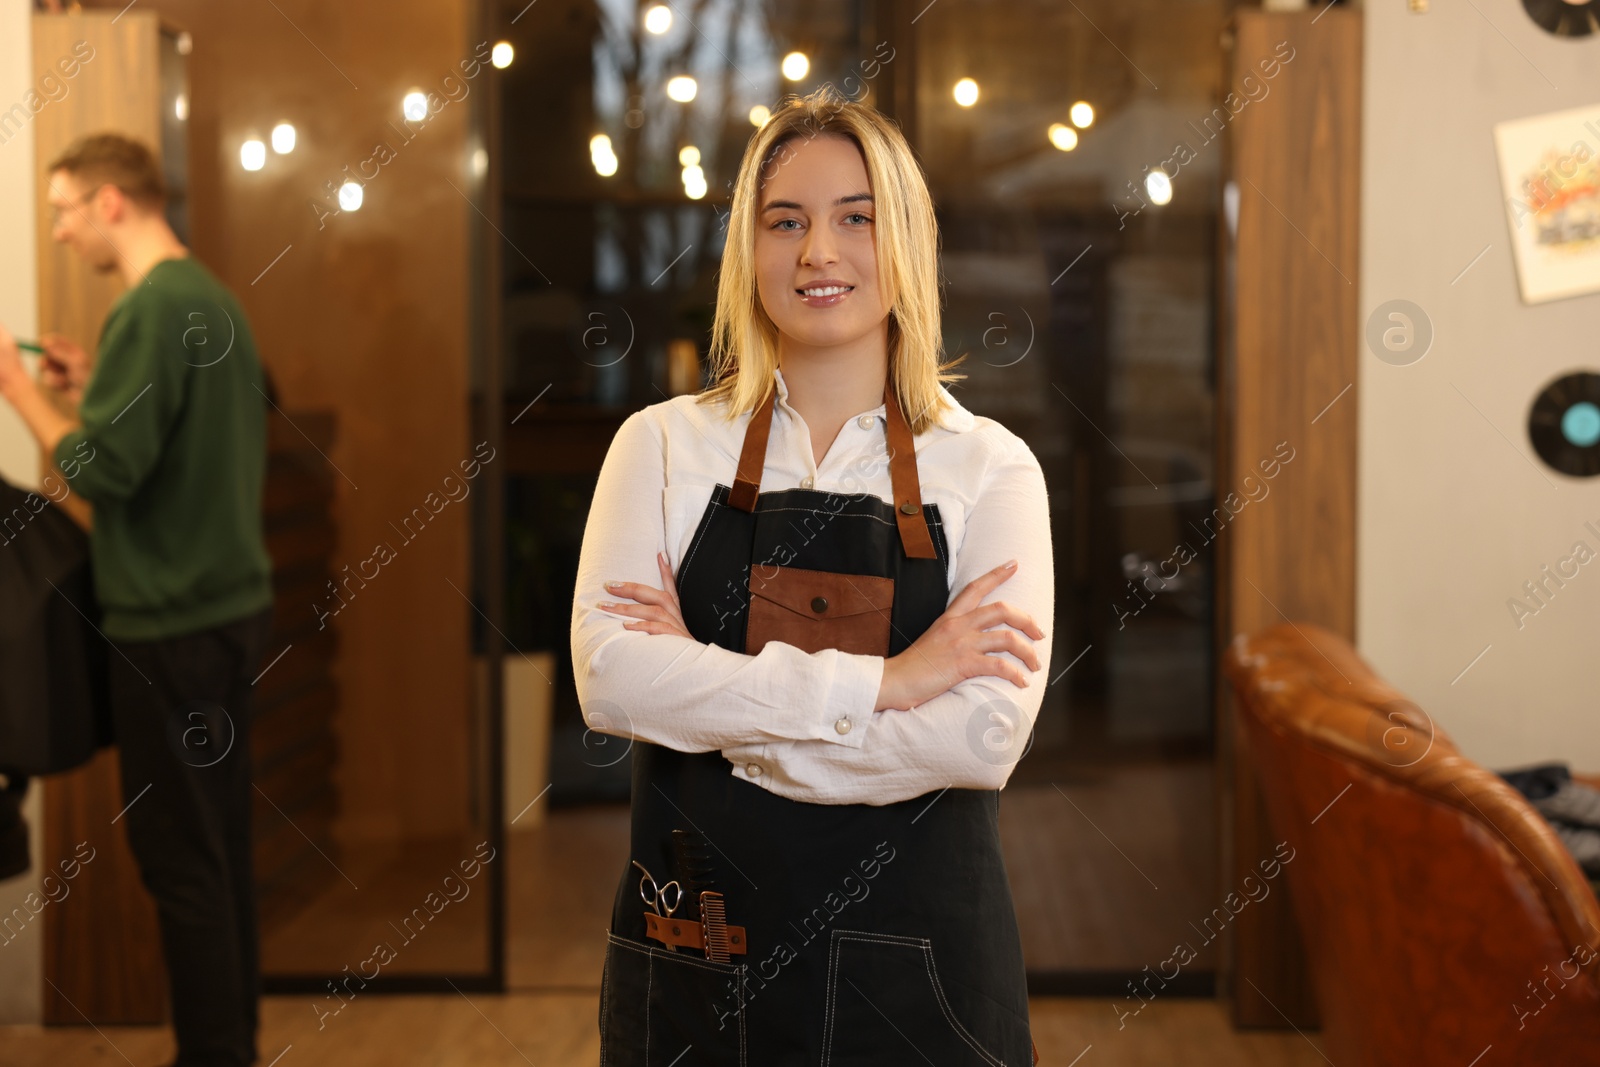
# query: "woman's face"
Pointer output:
{"type": "Point", "coordinates": [815, 225]}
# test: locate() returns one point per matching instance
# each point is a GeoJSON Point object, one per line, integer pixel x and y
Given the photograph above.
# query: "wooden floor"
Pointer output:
{"type": "Point", "coordinates": [1110, 866]}
{"type": "Point", "coordinates": [559, 1030]}
{"type": "Point", "coordinates": [413, 899]}
{"type": "Point", "coordinates": [556, 926]}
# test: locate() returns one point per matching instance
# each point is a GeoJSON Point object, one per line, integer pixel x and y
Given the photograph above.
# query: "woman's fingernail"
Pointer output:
{"type": "Point", "coordinates": [1011, 566]}
{"type": "Point", "coordinates": [612, 585]}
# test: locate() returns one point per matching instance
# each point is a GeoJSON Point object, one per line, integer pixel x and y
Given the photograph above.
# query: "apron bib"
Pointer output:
{"type": "Point", "coordinates": [870, 934]}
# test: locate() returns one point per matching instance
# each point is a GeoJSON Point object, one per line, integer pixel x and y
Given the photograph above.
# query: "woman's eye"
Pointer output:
{"type": "Point", "coordinates": [860, 216]}
{"type": "Point", "coordinates": [780, 222]}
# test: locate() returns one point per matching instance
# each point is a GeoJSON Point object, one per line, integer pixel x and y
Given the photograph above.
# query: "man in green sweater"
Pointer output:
{"type": "Point", "coordinates": [169, 447]}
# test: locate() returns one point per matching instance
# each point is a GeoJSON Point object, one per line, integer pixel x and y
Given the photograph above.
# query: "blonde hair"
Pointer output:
{"type": "Point", "coordinates": [744, 339]}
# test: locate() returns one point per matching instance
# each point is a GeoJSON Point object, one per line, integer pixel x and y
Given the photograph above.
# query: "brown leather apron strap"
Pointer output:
{"type": "Point", "coordinates": [914, 536]}
{"type": "Point", "coordinates": [753, 457]}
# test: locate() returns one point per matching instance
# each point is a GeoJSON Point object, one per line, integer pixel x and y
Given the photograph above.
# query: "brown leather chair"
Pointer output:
{"type": "Point", "coordinates": [1441, 914]}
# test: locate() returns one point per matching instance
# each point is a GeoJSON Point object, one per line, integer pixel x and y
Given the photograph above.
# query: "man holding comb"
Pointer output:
{"type": "Point", "coordinates": [169, 446]}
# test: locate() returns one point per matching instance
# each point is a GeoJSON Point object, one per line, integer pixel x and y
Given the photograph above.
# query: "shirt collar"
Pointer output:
{"type": "Point", "coordinates": [957, 419]}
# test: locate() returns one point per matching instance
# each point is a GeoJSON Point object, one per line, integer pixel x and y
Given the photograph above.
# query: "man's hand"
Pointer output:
{"type": "Point", "coordinates": [49, 426]}
{"type": "Point", "coordinates": [66, 366]}
{"type": "Point", "coordinates": [658, 611]}
{"type": "Point", "coordinates": [12, 372]}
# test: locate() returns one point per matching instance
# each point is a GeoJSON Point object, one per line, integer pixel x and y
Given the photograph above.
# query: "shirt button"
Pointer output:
{"type": "Point", "coordinates": [843, 726]}
{"type": "Point", "coordinates": [753, 769]}
{"type": "Point", "coordinates": [806, 482]}
{"type": "Point", "coordinates": [866, 421]}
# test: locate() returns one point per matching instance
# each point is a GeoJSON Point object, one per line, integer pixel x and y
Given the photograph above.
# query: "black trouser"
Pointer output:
{"type": "Point", "coordinates": [182, 707]}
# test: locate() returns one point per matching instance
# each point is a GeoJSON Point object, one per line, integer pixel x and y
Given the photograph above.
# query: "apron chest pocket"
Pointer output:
{"type": "Point", "coordinates": [814, 610]}
{"type": "Point", "coordinates": [657, 1006]}
{"type": "Point", "coordinates": [887, 1005]}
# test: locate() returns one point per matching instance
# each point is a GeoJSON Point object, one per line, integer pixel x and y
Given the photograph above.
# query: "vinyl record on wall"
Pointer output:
{"type": "Point", "coordinates": [1564, 18]}
{"type": "Point", "coordinates": [1564, 424]}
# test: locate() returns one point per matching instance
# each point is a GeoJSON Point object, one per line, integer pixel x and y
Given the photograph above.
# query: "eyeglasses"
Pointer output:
{"type": "Point", "coordinates": [74, 204]}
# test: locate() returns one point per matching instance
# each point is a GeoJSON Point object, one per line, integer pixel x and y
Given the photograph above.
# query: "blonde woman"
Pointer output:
{"type": "Point", "coordinates": [819, 728]}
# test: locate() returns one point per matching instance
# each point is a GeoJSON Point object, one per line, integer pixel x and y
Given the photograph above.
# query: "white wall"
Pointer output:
{"type": "Point", "coordinates": [1456, 511]}
{"type": "Point", "coordinates": [21, 960]}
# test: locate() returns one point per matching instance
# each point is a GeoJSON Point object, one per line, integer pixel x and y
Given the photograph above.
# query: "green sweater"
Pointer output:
{"type": "Point", "coordinates": [172, 454]}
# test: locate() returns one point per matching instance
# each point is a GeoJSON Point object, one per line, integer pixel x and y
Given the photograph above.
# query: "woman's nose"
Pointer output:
{"type": "Point", "coordinates": [819, 247]}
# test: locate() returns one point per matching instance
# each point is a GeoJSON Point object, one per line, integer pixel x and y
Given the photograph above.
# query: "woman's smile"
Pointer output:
{"type": "Point", "coordinates": [824, 294]}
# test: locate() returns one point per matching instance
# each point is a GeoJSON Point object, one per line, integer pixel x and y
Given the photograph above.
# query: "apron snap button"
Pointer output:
{"type": "Point", "coordinates": [908, 508]}
{"type": "Point", "coordinates": [819, 604]}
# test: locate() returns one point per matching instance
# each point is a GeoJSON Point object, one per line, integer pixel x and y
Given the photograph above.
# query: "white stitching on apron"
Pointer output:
{"type": "Point", "coordinates": [933, 978]}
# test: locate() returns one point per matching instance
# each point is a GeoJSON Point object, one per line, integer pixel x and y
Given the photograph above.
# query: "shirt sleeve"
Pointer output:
{"type": "Point", "coordinates": [675, 691]}
{"type": "Point", "coordinates": [971, 736]}
{"type": "Point", "coordinates": [134, 396]}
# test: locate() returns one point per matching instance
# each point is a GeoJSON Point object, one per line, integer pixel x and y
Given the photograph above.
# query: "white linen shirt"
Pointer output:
{"type": "Point", "coordinates": [799, 724]}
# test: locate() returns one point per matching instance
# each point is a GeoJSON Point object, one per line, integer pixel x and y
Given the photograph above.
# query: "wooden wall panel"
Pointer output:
{"type": "Point", "coordinates": [363, 314]}
{"type": "Point", "coordinates": [117, 88]}
{"type": "Point", "coordinates": [1290, 378]}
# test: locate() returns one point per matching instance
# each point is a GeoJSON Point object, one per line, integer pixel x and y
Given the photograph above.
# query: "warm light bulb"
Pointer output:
{"type": "Point", "coordinates": [1063, 137]}
{"type": "Point", "coordinates": [966, 92]}
{"type": "Point", "coordinates": [602, 155]}
{"type": "Point", "coordinates": [283, 138]}
{"type": "Point", "coordinates": [180, 106]}
{"type": "Point", "coordinates": [658, 19]}
{"type": "Point", "coordinates": [689, 155]}
{"type": "Point", "coordinates": [795, 66]}
{"type": "Point", "coordinates": [694, 182]}
{"type": "Point", "coordinates": [253, 154]}
{"type": "Point", "coordinates": [1082, 115]}
{"type": "Point", "coordinates": [501, 54]}
{"type": "Point", "coordinates": [1159, 186]}
{"type": "Point", "coordinates": [415, 105]}
{"type": "Point", "coordinates": [682, 88]}
{"type": "Point", "coordinates": [350, 196]}
{"type": "Point", "coordinates": [759, 115]}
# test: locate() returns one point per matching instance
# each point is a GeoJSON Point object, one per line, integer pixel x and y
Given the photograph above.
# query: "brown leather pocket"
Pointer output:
{"type": "Point", "coordinates": [814, 610]}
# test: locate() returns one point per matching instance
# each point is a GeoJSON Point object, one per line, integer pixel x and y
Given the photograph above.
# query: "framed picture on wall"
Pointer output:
{"type": "Point", "coordinates": [1550, 178]}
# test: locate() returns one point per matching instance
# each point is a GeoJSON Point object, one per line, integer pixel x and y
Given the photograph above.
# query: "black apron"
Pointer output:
{"type": "Point", "coordinates": [872, 934]}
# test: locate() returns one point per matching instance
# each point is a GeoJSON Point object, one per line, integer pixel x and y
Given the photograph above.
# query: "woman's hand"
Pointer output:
{"type": "Point", "coordinates": [658, 611]}
{"type": "Point", "coordinates": [959, 644]}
